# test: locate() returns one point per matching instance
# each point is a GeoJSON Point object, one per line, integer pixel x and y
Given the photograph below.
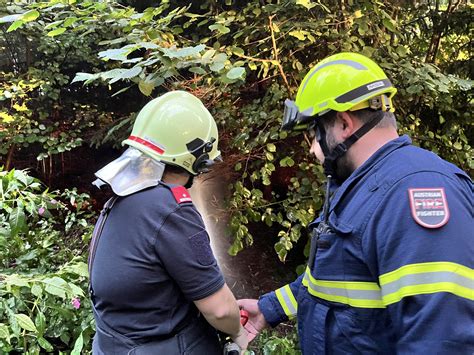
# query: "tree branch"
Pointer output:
{"type": "Point", "coordinates": [275, 54]}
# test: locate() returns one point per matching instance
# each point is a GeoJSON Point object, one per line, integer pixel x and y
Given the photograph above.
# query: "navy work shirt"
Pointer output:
{"type": "Point", "coordinates": [152, 261]}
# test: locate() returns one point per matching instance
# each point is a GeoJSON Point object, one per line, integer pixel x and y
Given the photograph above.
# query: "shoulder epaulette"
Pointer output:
{"type": "Point", "coordinates": [180, 194]}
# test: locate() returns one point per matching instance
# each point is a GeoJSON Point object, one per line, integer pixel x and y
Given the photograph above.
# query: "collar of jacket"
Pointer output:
{"type": "Point", "coordinates": [368, 165]}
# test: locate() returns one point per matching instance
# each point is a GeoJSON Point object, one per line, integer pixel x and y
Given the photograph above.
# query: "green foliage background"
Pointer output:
{"type": "Point", "coordinates": [76, 73]}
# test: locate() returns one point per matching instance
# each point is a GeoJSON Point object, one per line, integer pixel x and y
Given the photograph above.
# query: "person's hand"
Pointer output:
{"type": "Point", "coordinates": [256, 322]}
{"type": "Point", "coordinates": [241, 339]}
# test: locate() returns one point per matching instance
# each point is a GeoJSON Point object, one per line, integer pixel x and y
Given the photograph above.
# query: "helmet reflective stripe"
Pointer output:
{"type": "Point", "coordinates": [365, 90]}
{"type": "Point", "coordinates": [351, 63]}
{"type": "Point", "coordinates": [147, 144]}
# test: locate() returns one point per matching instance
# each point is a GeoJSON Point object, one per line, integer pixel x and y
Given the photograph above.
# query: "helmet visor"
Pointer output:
{"type": "Point", "coordinates": [293, 119]}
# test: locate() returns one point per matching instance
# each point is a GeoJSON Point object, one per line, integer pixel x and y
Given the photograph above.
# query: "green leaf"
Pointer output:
{"type": "Point", "coordinates": [127, 74]}
{"type": "Point", "coordinates": [36, 290]}
{"type": "Point", "coordinates": [306, 3]}
{"type": "Point", "coordinates": [16, 280]}
{"type": "Point", "coordinates": [46, 345]}
{"type": "Point", "coordinates": [183, 52]}
{"type": "Point", "coordinates": [21, 176]}
{"type": "Point", "coordinates": [4, 332]}
{"type": "Point", "coordinates": [10, 18]}
{"type": "Point", "coordinates": [53, 25]}
{"type": "Point", "coordinates": [30, 15]}
{"type": "Point", "coordinates": [287, 161]}
{"type": "Point", "coordinates": [146, 87]}
{"type": "Point", "coordinates": [197, 70]}
{"type": "Point", "coordinates": [40, 322]}
{"type": "Point", "coordinates": [238, 51]}
{"type": "Point", "coordinates": [17, 221]}
{"type": "Point", "coordinates": [402, 51]}
{"type": "Point", "coordinates": [25, 322]}
{"type": "Point", "coordinates": [56, 32]}
{"type": "Point", "coordinates": [15, 25]}
{"type": "Point", "coordinates": [216, 67]}
{"type": "Point", "coordinates": [236, 73]}
{"type": "Point", "coordinates": [298, 34]}
{"type": "Point", "coordinates": [121, 91]}
{"type": "Point", "coordinates": [271, 147]}
{"type": "Point", "coordinates": [56, 286]}
{"type": "Point", "coordinates": [219, 27]}
{"type": "Point", "coordinates": [78, 345]}
{"type": "Point", "coordinates": [79, 268]}
{"type": "Point", "coordinates": [208, 54]}
{"type": "Point", "coordinates": [114, 54]}
{"type": "Point", "coordinates": [69, 21]}
{"type": "Point", "coordinates": [221, 57]}
{"type": "Point", "coordinates": [389, 24]}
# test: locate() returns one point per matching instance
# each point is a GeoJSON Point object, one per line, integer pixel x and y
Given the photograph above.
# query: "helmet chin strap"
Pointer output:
{"type": "Point", "coordinates": [331, 156]}
{"type": "Point", "coordinates": [190, 182]}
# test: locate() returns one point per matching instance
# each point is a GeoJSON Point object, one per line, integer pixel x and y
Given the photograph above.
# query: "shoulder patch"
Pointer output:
{"type": "Point", "coordinates": [429, 206]}
{"type": "Point", "coordinates": [180, 194]}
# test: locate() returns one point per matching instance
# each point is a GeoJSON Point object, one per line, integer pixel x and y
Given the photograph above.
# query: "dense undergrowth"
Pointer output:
{"type": "Point", "coordinates": [75, 73]}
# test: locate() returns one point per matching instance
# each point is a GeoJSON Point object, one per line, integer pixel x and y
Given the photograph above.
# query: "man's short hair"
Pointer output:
{"type": "Point", "coordinates": [365, 115]}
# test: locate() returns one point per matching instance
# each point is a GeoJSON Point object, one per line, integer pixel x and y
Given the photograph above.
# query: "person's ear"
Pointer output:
{"type": "Point", "coordinates": [347, 124]}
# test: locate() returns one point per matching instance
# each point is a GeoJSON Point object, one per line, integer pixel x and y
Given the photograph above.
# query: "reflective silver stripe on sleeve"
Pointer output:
{"type": "Point", "coordinates": [289, 299]}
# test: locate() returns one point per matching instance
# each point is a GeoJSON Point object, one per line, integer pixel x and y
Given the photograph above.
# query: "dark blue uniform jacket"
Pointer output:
{"type": "Point", "coordinates": [395, 275]}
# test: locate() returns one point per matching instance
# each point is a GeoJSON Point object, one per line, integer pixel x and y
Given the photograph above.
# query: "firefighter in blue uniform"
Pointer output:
{"type": "Point", "coordinates": [155, 285]}
{"type": "Point", "coordinates": [391, 259]}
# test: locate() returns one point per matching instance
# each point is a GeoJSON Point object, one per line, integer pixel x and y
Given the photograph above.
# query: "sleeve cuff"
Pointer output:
{"type": "Point", "coordinates": [208, 290]}
{"type": "Point", "coordinates": [271, 309]}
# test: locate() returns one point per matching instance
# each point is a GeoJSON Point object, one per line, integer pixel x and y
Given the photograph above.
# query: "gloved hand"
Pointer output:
{"type": "Point", "coordinates": [256, 322]}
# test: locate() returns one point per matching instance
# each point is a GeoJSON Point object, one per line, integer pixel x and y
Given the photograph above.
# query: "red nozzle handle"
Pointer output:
{"type": "Point", "coordinates": [244, 316]}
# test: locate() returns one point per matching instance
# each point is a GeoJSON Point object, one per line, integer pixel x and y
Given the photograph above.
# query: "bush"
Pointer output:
{"type": "Point", "coordinates": [283, 341]}
{"type": "Point", "coordinates": [43, 276]}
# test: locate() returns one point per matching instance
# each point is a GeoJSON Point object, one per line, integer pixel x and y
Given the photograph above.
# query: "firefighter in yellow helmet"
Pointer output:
{"type": "Point", "coordinates": [390, 269]}
{"type": "Point", "coordinates": [154, 282]}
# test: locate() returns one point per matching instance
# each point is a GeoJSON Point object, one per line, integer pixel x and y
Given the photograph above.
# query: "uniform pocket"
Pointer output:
{"type": "Point", "coordinates": [311, 324]}
{"type": "Point", "coordinates": [364, 332]}
{"type": "Point", "coordinates": [328, 261]}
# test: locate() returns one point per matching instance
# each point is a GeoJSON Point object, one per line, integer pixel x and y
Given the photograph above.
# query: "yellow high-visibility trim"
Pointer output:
{"type": "Point", "coordinates": [427, 289]}
{"type": "Point", "coordinates": [292, 297]}
{"type": "Point", "coordinates": [287, 301]}
{"type": "Point", "coordinates": [348, 285]}
{"type": "Point", "coordinates": [345, 300]}
{"type": "Point", "coordinates": [311, 283]}
{"type": "Point", "coordinates": [426, 267]}
{"type": "Point", "coordinates": [282, 302]}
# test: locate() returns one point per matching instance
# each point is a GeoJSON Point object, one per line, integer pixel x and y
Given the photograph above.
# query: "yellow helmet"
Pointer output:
{"type": "Point", "coordinates": [177, 129]}
{"type": "Point", "coordinates": [341, 82]}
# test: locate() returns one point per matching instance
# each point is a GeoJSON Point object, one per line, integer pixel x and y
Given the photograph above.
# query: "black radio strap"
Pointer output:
{"type": "Point", "coordinates": [99, 226]}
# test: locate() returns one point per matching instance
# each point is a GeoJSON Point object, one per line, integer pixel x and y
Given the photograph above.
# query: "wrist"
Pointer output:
{"type": "Point", "coordinates": [240, 332]}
